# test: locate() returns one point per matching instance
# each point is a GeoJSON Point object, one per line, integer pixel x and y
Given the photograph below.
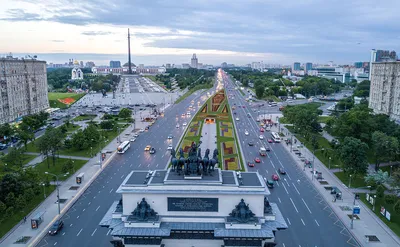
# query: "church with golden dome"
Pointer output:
{"type": "Point", "coordinates": [76, 73]}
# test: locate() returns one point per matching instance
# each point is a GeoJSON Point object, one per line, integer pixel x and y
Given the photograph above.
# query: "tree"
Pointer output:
{"type": "Point", "coordinates": [353, 154]}
{"type": "Point", "coordinates": [377, 178]}
{"type": "Point", "coordinates": [43, 144]}
{"type": "Point", "coordinates": [55, 142]}
{"type": "Point", "coordinates": [395, 177]}
{"type": "Point", "coordinates": [260, 91]}
{"type": "Point", "coordinates": [9, 211]}
{"type": "Point", "coordinates": [20, 202]}
{"type": "Point", "coordinates": [68, 166]}
{"type": "Point", "coordinates": [380, 191]}
{"type": "Point", "coordinates": [10, 183]}
{"type": "Point", "coordinates": [25, 133]}
{"type": "Point", "coordinates": [385, 147]}
{"type": "Point", "coordinates": [10, 199]}
{"type": "Point", "coordinates": [125, 113]}
{"type": "Point", "coordinates": [390, 199]}
{"type": "Point", "coordinates": [3, 208]}
{"type": "Point", "coordinates": [14, 157]}
{"type": "Point", "coordinates": [396, 207]}
{"type": "Point", "coordinates": [29, 194]}
{"type": "Point", "coordinates": [107, 125]}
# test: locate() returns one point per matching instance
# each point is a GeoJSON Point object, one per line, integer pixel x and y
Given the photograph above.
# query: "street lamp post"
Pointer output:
{"type": "Point", "coordinates": [373, 204]}
{"type": "Point", "coordinates": [44, 190]}
{"type": "Point", "coordinates": [350, 181]}
{"type": "Point", "coordinates": [58, 191]}
{"type": "Point", "coordinates": [356, 196]}
{"type": "Point", "coordinates": [329, 163]}
{"type": "Point", "coordinates": [390, 174]}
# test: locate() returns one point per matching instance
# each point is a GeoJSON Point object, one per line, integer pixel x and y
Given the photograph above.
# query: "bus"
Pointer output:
{"type": "Point", "coordinates": [275, 137]}
{"type": "Point", "coordinates": [123, 147]}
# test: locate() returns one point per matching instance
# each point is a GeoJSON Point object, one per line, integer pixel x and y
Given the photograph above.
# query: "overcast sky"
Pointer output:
{"type": "Point", "coordinates": [169, 31]}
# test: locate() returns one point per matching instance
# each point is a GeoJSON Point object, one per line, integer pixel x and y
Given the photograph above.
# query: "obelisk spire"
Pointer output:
{"type": "Point", "coordinates": [129, 53]}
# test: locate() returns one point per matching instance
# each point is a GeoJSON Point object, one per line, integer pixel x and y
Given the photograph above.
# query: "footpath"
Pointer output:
{"type": "Point", "coordinates": [367, 226]}
{"type": "Point", "coordinates": [23, 235]}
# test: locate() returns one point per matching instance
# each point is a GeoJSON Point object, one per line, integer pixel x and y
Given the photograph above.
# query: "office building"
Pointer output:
{"type": "Point", "coordinates": [194, 63]}
{"type": "Point", "coordinates": [381, 56]}
{"type": "Point", "coordinates": [115, 64]}
{"type": "Point", "coordinates": [308, 67]}
{"type": "Point", "coordinates": [23, 88]}
{"type": "Point", "coordinates": [384, 94]}
{"type": "Point", "coordinates": [168, 66]}
{"type": "Point", "coordinates": [90, 64]}
{"type": "Point", "coordinates": [171, 208]}
{"type": "Point", "coordinates": [296, 66]}
{"type": "Point", "coordinates": [358, 65]}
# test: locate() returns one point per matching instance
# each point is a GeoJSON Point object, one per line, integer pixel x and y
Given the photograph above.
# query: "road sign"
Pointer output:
{"type": "Point", "coordinates": [356, 210]}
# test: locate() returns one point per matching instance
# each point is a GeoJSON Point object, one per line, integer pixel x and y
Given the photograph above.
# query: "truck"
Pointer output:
{"type": "Point", "coordinates": [263, 151]}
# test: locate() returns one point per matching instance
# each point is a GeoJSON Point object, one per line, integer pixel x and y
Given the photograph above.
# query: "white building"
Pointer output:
{"type": "Point", "coordinates": [23, 87]}
{"type": "Point", "coordinates": [384, 94]}
{"type": "Point", "coordinates": [164, 207]}
{"type": "Point", "coordinates": [194, 63]}
{"type": "Point", "coordinates": [76, 73]}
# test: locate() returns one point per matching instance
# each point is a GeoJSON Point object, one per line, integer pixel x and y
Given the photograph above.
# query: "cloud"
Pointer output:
{"type": "Point", "coordinates": [95, 33]}
{"type": "Point", "coordinates": [21, 15]}
{"type": "Point", "coordinates": [57, 41]}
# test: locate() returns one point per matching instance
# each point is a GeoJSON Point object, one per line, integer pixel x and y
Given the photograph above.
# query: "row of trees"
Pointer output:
{"type": "Point", "coordinates": [186, 77]}
{"type": "Point", "coordinates": [304, 118]}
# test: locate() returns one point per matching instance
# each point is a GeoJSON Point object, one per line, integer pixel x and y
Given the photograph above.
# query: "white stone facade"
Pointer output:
{"type": "Point", "coordinates": [384, 95]}
{"type": "Point", "coordinates": [23, 88]}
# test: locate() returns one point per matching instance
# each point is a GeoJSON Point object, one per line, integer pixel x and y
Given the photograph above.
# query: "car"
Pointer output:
{"type": "Point", "coordinates": [183, 114]}
{"type": "Point", "coordinates": [147, 128]}
{"type": "Point", "coordinates": [56, 227]}
{"type": "Point", "coordinates": [261, 137]}
{"type": "Point", "coordinates": [248, 115]}
{"type": "Point", "coordinates": [152, 150]}
{"type": "Point", "coordinates": [257, 160]}
{"type": "Point", "coordinates": [184, 124]}
{"type": "Point", "coordinates": [237, 119]}
{"type": "Point", "coordinates": [169, 147]}
{"type": "Point", "coordinates": [141, 130]}
{"type": "Point", "coordinates": [147, 148]}
{"type": "Point", "coordinates": [270, 141]}
{"type": "Point", "coordinates": [261, 129]}
{"type": "Point", "coordinates": [270, 184]}
{"type": "Point", "coordinates": [267, 149]}
{"type": "Point", "coordinates": [275, 177]}
{"type": "Point", "coordinates": [135, 135]}
{"type": "Point", "coordinates": [251, 144]}
{"type": "Point", "coordinates": [133, 139]}
{"type": "Point", "coordinates": [282, 171]}
{"type": "Point", "coordinates": [246, 133]}
{"type": "Point", "coordinates": [234, 113]}
{"type": "Point", "coordinates": [177, 125]}
{"type": "Point", "coordinates": [250, 164]}
{"type": "Point", "coordinates": [244, 106]}
{"type": "Point", "coordinates": [170, 137]}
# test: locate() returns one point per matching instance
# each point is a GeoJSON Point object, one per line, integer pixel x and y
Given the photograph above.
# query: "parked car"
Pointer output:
{"type": "Point", "coordinates": [56, 227]}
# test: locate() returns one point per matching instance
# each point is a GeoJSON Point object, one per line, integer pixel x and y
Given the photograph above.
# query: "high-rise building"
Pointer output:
{"type": "Point", "coordinates": [384, 96]}
{"type": "Point", "coordinates": [194, 63]}
{"type": "Point", "coordinates": [168, 66]}
{"type": "Point", "coordinates": [115, 64]}
{"type": "Point", "coordinates": [358, 65]}
{"type": "Point", "coordinates": [23, 88]}
{"type": "Point", "coordinates": [90, 64]}
{"type": "Point", "coordinates": [308, 67]}
{"type": "Point", "coordinates": [296, 66]}
{"type": "Point", "coordinates": [81, 64]}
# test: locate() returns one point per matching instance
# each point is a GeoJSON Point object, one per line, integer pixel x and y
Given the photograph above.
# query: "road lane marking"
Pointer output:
{"type": "Point", "coordinates": [77, 217]}
{"type": "Point", "coordinates": [279, 199]}
{"type": "Point", "coordinates": [97, 208]}
{"type": "Point", "coordinates": [55, 243]}
{"type": "Point", "coordinates": [63, 233]}
{"type": "Point", "coordinates": [79, 232]}
{"type": "Point", "coordinates": [288, 221]}
{"type": "Point", "coordinates": [84, 210]}
{"type": "Point", "coordinates": [280, 163]}
{"type": "Point", "coordinates": [316, 222]}
{"type": "Point", "coordinates": [111, 190]}
{"type": "Point", "coordinates": [71, 225]}
{"type": "Point", "coordinates": [130, 165]}
{"type": "Point", "coordinates": [94, 231]}
{"type": "Point", "coordinates": [157, 165]}
{"type": "Point", "coordinates": [286, 182]}
{"type": "Point", "coordinates": [306, 205]}
{"type": "Point", "coordinates": [293, 204]}
{"type": "Point", "coordinates": [288, 176]}
{"type": "Point", "coordinates": [285, 188]}
{"type": "Point", "coordinates": [296, 188]}
{"type": "Point", "coordinates": [138, 156]}
{"type": "Point", "coordinates": [302, 221]}
{"type": "Point", "coordinates": [140, 165]}
{"type": "Point", "coordinates": [148, 165]}
{"type": "Point", "coordinates": [122, 175]}
{"type": "Point", "coordinates": [89, 203]}
{"type": "Point", "coordinates": [272, 164]}
{"type": "Point", "coordinates": [277, 183]}
{"type": "Point", "coordinates": [162, 156]}
{"type": "Point", "coordinates": [266, 171]}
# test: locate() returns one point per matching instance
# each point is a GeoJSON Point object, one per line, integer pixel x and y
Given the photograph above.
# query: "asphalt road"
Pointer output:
{"type": "Point", "coordinates": [311, 221]}
{"type": "Point", "coordinates": [81, 222]}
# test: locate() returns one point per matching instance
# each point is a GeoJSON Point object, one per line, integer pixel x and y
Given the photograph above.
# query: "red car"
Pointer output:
{"type": "Point", "coordinates": [261, 129]}
{"type": "Point", "coordinates": [270, 141]}
{"type": "Point", "coordinates": [257, 160]}
{"type": "Point", "coordinates": [250, 164]}
{"type": "Point", "coordinates": [275, 177]}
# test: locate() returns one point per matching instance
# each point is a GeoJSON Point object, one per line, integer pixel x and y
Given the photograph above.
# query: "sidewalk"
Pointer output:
{"type": "Point", "coordinates": [69, 191]}
{"type": "Point", "coordinates": [40, 158]}
{"type": "Point", "coordinates": [368, 223]}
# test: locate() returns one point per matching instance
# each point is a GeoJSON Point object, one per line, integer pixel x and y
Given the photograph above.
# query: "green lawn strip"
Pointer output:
{"type": "Point", "coordinates": [53, 99]}
{"type": "Point", "coordinates": [324, 119]}
{"type": "Point", "coordinates": [84, 117]}
{"type": "Point", "coordinates": [240, 90]}
{"type": "Point", "coordinates": [26, 158]}
{"type": "Point", "coordinates": [191, 91]}
{"type": "Point", "coordinates": [394, 223]}
{"type": "Point", "coordinates": [356, 182]}
{"type": "Point", "coordinates": [10, 221]}
{"type": "Point", "coordinates": [272, 97]}
{"type": "Point", "coordinates": [73, 127]}
{"type": "Point", "coordinates": [57, 168]}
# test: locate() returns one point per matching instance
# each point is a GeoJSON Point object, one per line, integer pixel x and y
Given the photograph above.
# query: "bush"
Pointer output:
{"type": "Point", "coordinates": [390, 199]}
{"type": "Point", "coordinates": [29, 194]}
{"type": "Point", "coordinates": [9, 211]}
{"type": "Point", "coordinates": [380, 191]}
{"type": "Point", "coordinates": [396, 207]}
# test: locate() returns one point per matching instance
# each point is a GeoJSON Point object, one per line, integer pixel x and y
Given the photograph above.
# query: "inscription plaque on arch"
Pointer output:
{"type": "Point", "coordinates": [193, 204]}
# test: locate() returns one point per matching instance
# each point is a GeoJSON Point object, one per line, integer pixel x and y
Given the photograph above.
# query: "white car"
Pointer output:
{"type": "Point", "coordinates": [184, 124]}
{"type": "Point", "coordinates": [246, 133]}
{"type": "Point", "coordinates": [169, 147]}
{"type": "Point", "coordinates": [133, 139]}
{"type": "Point", "coordinates": [237, 119]}
{"type": "Point", "coordinates": [135, 135]}
{"type": "Point", "coordinates": [141, 130]}
{"type": "Point", "coordinates": [261, 137]}
{"type": "Point", "coordinates": [177, 125]}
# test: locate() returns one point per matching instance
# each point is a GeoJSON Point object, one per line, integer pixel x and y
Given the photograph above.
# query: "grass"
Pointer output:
{"type": "Point", "coordinates": [84, 117]}
{"type": "Point", "coordinates": [9, 222]}
{"type": "Point", "coordinates": [272, 97]}
{"type": "Point", "coordinates": [356, 182]}
{"type": "Point", "coordinates": [324, 119]}
{"type": "Point", "coordinates": [54, 99]}
{"type": "Point", "coordinates": [57, 168]}
{"type": "Point", "coordinates": [243, 94]}
{"type": "Point", "coordinates": [394, 223]}
{"type": "Point", "coordinates": [26, 158]}
{"type": "Point", "coordinates": [194, 89]}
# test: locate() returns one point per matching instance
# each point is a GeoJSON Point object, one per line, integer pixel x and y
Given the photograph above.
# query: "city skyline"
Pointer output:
{"type": "Point", "coordinates": [223, 31]}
